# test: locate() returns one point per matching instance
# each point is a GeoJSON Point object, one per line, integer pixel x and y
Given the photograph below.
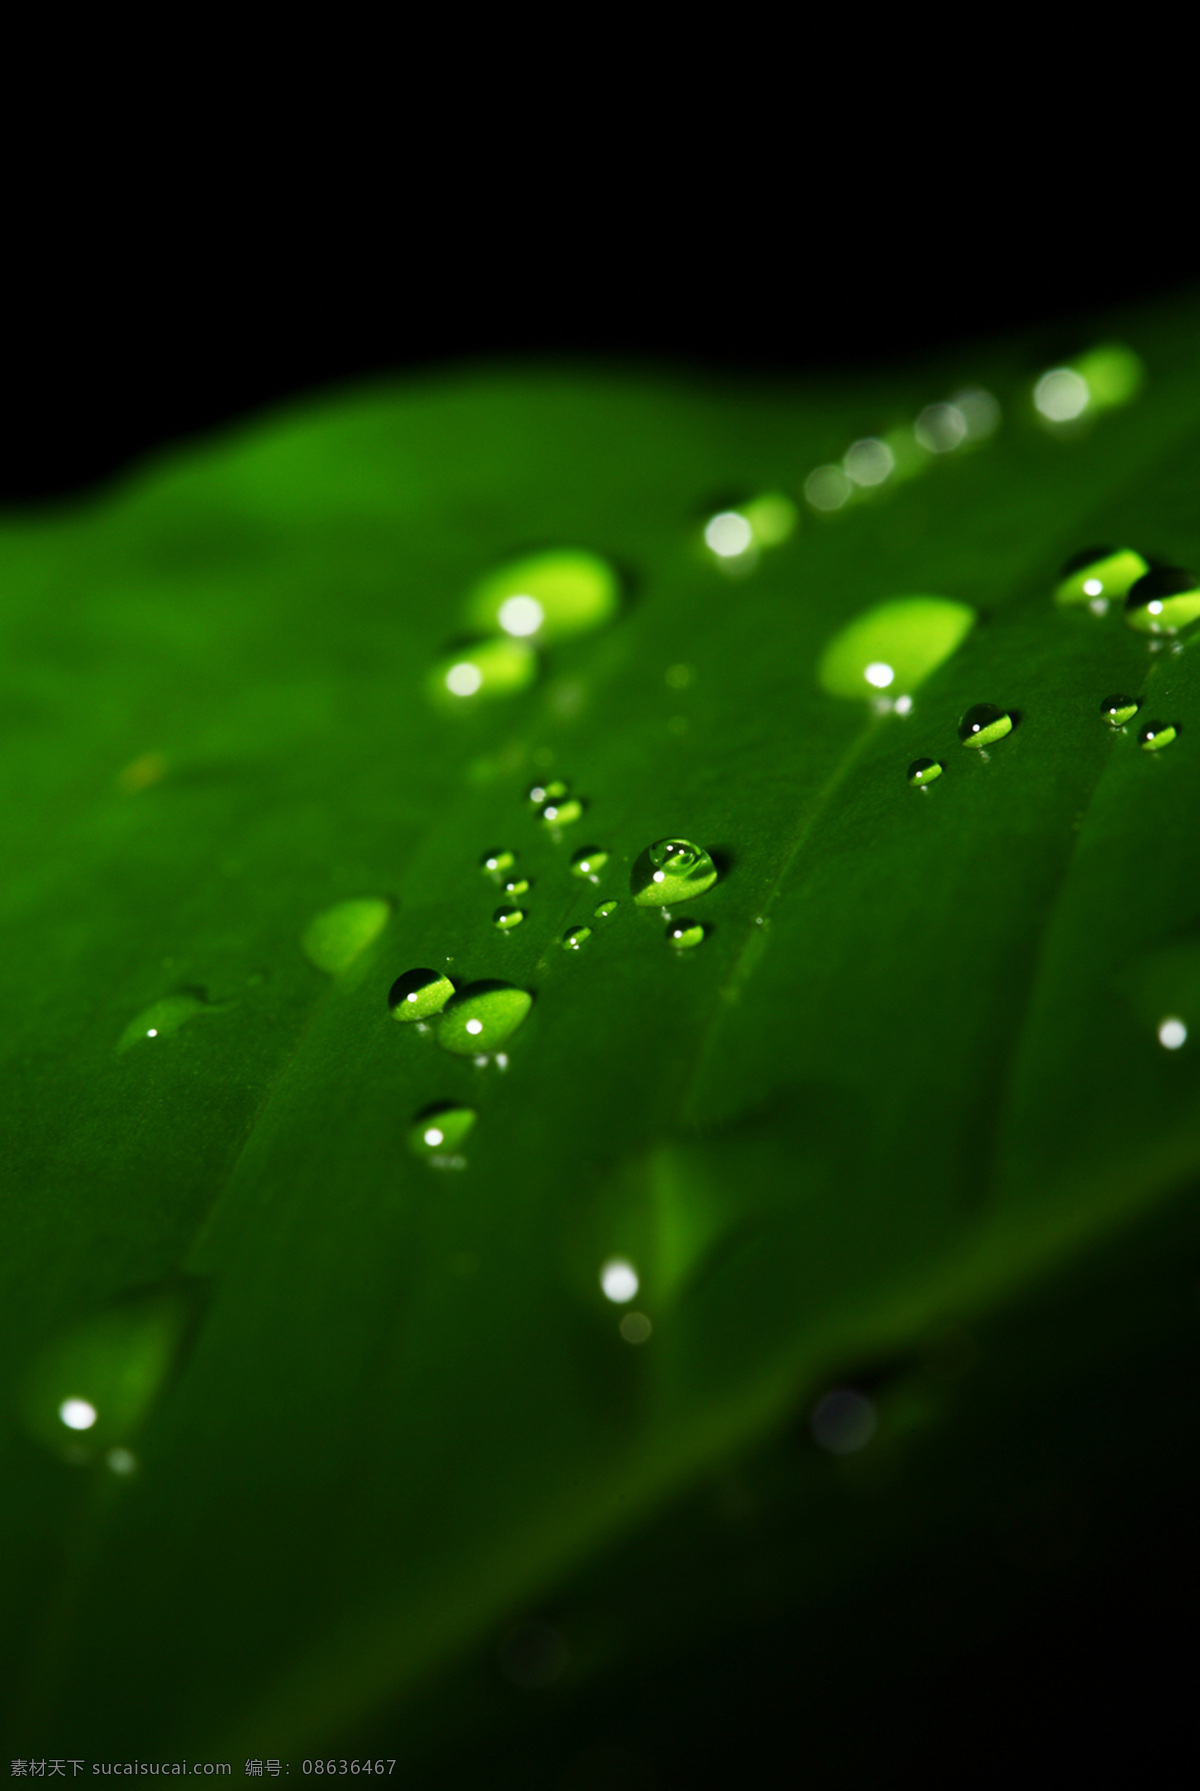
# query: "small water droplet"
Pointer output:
{"type": "Point", "coordinates": [827, 488]}
{"type": "Point", "coordinates": [341, 934]}
{"type": "Point", "coordinates": [606, 910]}
{"type": "Point", "coordinates": [1061, 395]}
{"type": "Point", "coordinates": [436, 1133]}
{"type": "Point", "coordinates": [671, 871]}
{"type": "Point", "coordinates": [924, 771]}
{"type": "Point", "coordinates": [941, 428]}
{"type": "Point", "coordinates": [683, 934]}
{"type": "Point", "coordinates": [517, 886]}
{"type": "Point", "coordinates": [1096, 576]}
{"type": "Point", "coordinates": [162, 1018]}
{"type": "Point", "coordinates": [1172, 1033]}
{"type": "Point", "coordinates": [508, 918]}
{"type": "Point", "coordinates": [868, 462]}
{"type": "Point", "coordinates": [561, 813]}
{"type": "Point", "coordinates": [418, 994]}
{"type": "Point", "coordinates": [546, 595]}
{"type": "Point", "coordinates": [634, 1327]}
{"type": "Point", "coordinates": [552, 791]}
{"type": "Point", "coordinates": [1157, 734]}
{"type": "Point", "coordinates": [576, 937]}
{"type": "Point", "coordinates": [1117, 710]}
{"type": "Point", "coordinates": [497, 864]}
{"type": "Point", "coordinates": [588, 862]}
{"type": "Point", "coordinates": [728, 534]}
{"type": "Point", "coordinates": [482, 1016]}
{"type": "Point", "coordinates": [1163, 601]}
{"type": "Point", "coordinates": [493, 668]}
{"type": "Point", "coordinates": [894, 646]}
{"type": "Point", "coordinates": [983, 725]}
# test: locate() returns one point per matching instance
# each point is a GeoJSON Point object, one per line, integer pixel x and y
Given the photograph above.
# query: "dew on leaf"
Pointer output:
{"type": "Point", "coordinates": [671, 871]}
{"type": "Point", "coordinates": [492, 668]}
{"type": "Point", "coordinates": [482, 1016]}
{"type": "Point", "coordinates": [634, 1327]}
{"type": "Point", "coordinates": [560, 812]}
{"type": "Point", "coordinates": [1061, 395]}
{"type": "Point", "coordinates": [1097, 576]}
{"type": "Point", "coordinates": [618, 1280]}
{"type": "Point", "coordinates": [335, 938]}
{"type": "Point", "coordinates": [508, 918]}
{"type": "Point", "coordinates": [868, 462]}
{"type": "Point", "coordinates": [773, 518]}
{"type": "Point", "coordinates": [437, 1132]}
{"type": "Point", "coordinates": [606, 910]}
{"type": "Point", "coordinates": [894, 646]}
{"type": "Point", "coordinates": [983, 725]}
{"type": "Point", "coordinates": [1157, 734]}
{"type": "Point", "coordinates": [1163, 601]}
{"type": "Point", "coordinates": [546, 595]}
{"type": "Point", "coordinates": [497, 865]}
{"type": "Point", "coordinates": [162, 1018]}
{"type": "Point", "coordinates": [552, 791]}
{"type": "Point", "coordinates": [1117, 709]}
{"type": "Point", "coordinates": [588, 862]}
{"type": "Point", "coordinates": [576, 937]}
{"type": "Point", "coordinates": [418, 994]}
{"type": "Point", "coordinates": [827, 488]}
{"type": "Point", "coordinates": [979, 411]}
{"type": "Point", "coordinates": [924, 771]}
{"type": "Point", "coordinates": [728, 534]}
{"type": "Point", "coordinates": [1172, 1033]}
{"type": "Point", "coordinates": [683, 934]}
{"type": "Point", "coordinates": [941, 428]}
{"type": "Point", "coordinates": [517, 886]}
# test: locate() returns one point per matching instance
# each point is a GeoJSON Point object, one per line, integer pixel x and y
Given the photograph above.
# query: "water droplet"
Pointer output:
{"type": "Point", "coordinates": [418, 994]}
{"type": "Point", "coordinates": [576, 937]}
{"type": "Point", "coordinates": [437, 1131]}
{"type": "Point", "coordinates": [1172, 1033]}
{"type": "Point", "coordinates": [924, 771]}
{"type": "Point", "coordinates": [728, 534]}
{"type": "Point", "coordinates": [773, 518]}
{"type": "Point", "coordinates": [619, 1280]}
{"type": "Point", "coordinates": [941, 428]}
{"type": "Point", "coordinates": [906, 636]}
{"type": "Point", "coordinates": [1113, 375]}
{"type": "Point", "coordinates": [482, 1016]}
{"type": "Point", "coordinates": [547, 595]}
{"type": "Point", "coordinates": [494, 668]}
{"type": "Point", "coordinates": [980, 412]}
{"type": "Point", "coordinates": [1061, 395]}
{"type": "Point", "coordinates": [983, 725]}
{"type": "Point", "coordinates": [1163, 601]}
{"type": "Point", "coordinates": [497, 865]}
{"type": "Point", "coordinates": [517, 886]}
{"type": "Point", "coordinates": [868, 462]}
{"type": "Point", "coordinates": [508, 918]}
{"type": "Point", "coordinates": [588, 862]}
{"type": "Point", "coordinates": [335, 938]}
{"type": "Point", "coordinates": [635, 1327]}
{"type": "Point", "coordinates": [671, 871]}
{"type": "Point", "coordinates": [162, 1018]}
{"type": "Point", "coordinates": [1157, 734]}
{"type": "Point", "coordinates": [561, 813]}
{"type": "Point", "coordinates": [1117, 710]}
{"type": "Point", "coordinates": [827, 488]}
{"type": "Point", "coordinates": [1097, 575]}
{"type": "Point", "coordinates": [843, 1421]}
{"type": "Point", "coordinates": [683, 934]}
{"type": "Point", "coordinates": [606, 910]}
{"type": "Point", "coordinates": [94, 1386]}
{"type": "Point", "coordinates": [546, 792]}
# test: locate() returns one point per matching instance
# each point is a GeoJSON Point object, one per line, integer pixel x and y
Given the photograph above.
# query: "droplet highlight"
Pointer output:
{"type": "Point", "coordinates": [505, 919]}
{"type": "Point", "coordinates": [438, 1131]}
{"type": "Point", "coordinates": [619, 1280]}
{"type": "Point", "coordinates": [487, 669]}
{"type": "Point", "coordinates": [547, 596]}
{"type": "Point", "coordinates": [561, 812]}
{"type": "Point", "coordinates": [497, 865]}
{"type": "Point", "coordinates": [983, 725]}
{"type": "Point", "coordinates": [1117, 710]}
{"type": "Point", "coordinates": [419, 994]}
{"type": "Point", "coordinates": [682, 935]}
{"type": "Point", "coordinates": [894, 647]}
{"type": "Point", "coordinates": [576, 937]}
{"type": "Point", "coordinates": [1098, 576]}
{"type": "Point", "coordinates": [588, 862]}
{"type": "Point", "coordinates": [924, 771]}
{"type": "Point", "coordinates": [606, 910]}
{"type": "Point", "coordinates": [1164, 601]}
{"type": "Point", "coordinates": [1172, 1033]}
{"type": "Point", "coordinates": [164, 1017]}
{"type": "Point", "coordinates": [1157, 734]}
{"type": "Point", "coordinates": [340, 935]}
{"type": "Point", "coordinates": [671, 871]}
{"type": "Point", "coordinates": [482, 1016]}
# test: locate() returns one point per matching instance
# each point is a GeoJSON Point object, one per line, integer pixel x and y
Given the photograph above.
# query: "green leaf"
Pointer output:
{"type": "Point", "coordinates": [914, 1063]}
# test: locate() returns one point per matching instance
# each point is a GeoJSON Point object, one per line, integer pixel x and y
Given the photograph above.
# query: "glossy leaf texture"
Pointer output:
{"type": "Point", "coordinates": [913, 1062]}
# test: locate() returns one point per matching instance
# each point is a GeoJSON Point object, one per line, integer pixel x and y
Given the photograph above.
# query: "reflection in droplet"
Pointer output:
{"type": "Point", "coordinates": [1097, 575]}
{"type": "Point", "coordinates": [437, 1132]}
{"type": "Point", "coordinates": [516, 886]}
{"type": "Point", "coordinates": [868, 462]}
{"type": "Point", "coordinates": [550, 595]}
{"type": "Point", "coordinates": [606, 910]}
{"type": "Point", "coordinates": [669, 871]}
{"type": "Point", "coordinates": [619, 1280]}
{"type": "Point", "coordinates": [1157, 734]}
{"type": "Point", "coordinates": [164, 1017]}
{"type": "Point", "coordinates": [908, 636]}
{"type": "Point", "coordinates": [1117, 710]}
{"type": "Point", "coordinates": [77, 1414]}
{"type": "Point", "coordinates": [497, 865]}
{"type": "Point", "coordinates": [635, 1327]}
{"type": "Point", "coordinates": [1172, 1033]}
{"type": "Point", "coordinates": [561, 814]}
{"type": "Point", "coordinates": [576, 937]}
{"type": "Point", "coordinates": [508, 918]}
{"type": "Point", "coordinates": [684, 934]}
{"type": "Point", "coordinates": [1163, 601]}
{"type": "Point", "coordinates": [728, 534]}
{"type": "Point", "coordinates": [418, 994]}
{"type": "Point", "coordinates": [843, 1421]}
{"type": "Point", "coordinates": [588, 862]}
{"type": "Point", "coordinates": [1061, 395]}
{"type": "Point", "coordinates": [550, 791]}
{"type": "Point", "coordinates": [341, 934]}
{"type": "Point", "coordinates": [924, 771]}
{"type": "Point", "coordinates": [941, 428]}
{"type": "Point", "coordinates": [492, 668]}
{"type": "Point", "coordinates": [482, 1016]}
{"type": "Point", "coordinates": [983, 725]}
{"type": "Point", "coordinates": [827, 488]}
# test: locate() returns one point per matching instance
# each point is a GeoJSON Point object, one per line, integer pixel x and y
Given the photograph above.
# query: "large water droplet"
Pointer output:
{"type": "Point", "coordinates": [482, 1016]}
{"type": "Point", "coordinates": [983, 725]}
{"type": "Point", "coordinates": [437, 1132]}
{"type": "Point", "coordinates": [335, 938]}
{"type": "Point", "coordinates": [418, 994]}
{"type": "Point", "coordinates": [671, 871]}
{"type": "Point", "coordinates": [683, 934]}
{"type": "Point", "coordinates": [1157, 734]}
{"type": "Point", "coordinates": [162, 1018]}
{"type": "Point", "coordinates": [546, 595]}
{"type": "Point", "coordinates": [894, 647]}
{"type": "Point", "coordinates": [1097, 576]}
{"type": "Point", "coordinates": [508, 918]}
{"type": "Point", "coordinates": [94, 1386]}
{"type": "Point", "coordinates": [1164, 601]}
{"type": "Point", "coordinates": [575, 938]}
{"type": "Point", "coordinates": [588, 862]}
{"type": "Point", "coordinates": [1117, 710]}
{"type": "Point", "coordinates": [497, 864]}
{"type": "Point", "coordinates": [606, 910]}
{"type": "Point", "coordinates": [924, 771]}
{"type": "Point", "coordinates": [494, 668]}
